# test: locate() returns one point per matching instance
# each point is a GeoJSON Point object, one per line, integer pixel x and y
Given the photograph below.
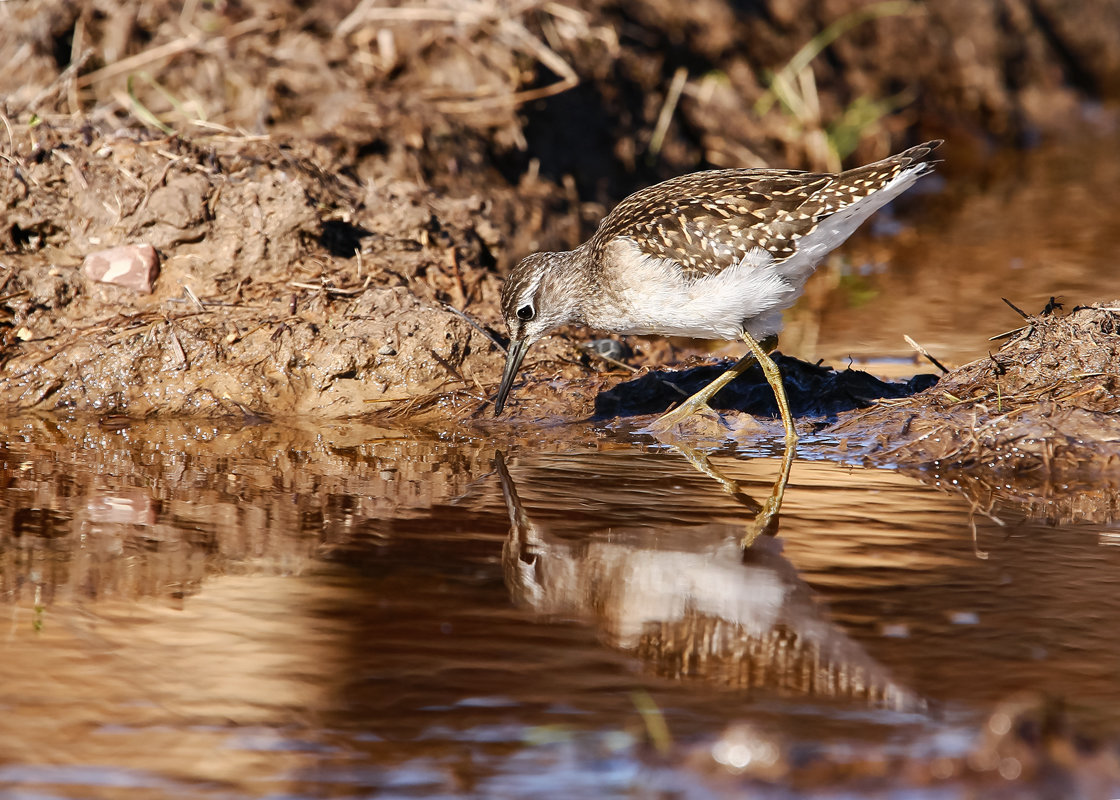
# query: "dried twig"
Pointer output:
{"type": "Point", "coordinates": [463, 19]}
{"type": "Point", "coordinates": [1016, 309]}
{"type": "Point", "coordinates": [8, 297]}
{"type": "Point", "coordinates": [1008, 334]}
{"type": "Point", "coordinates": [672, 97]}
{"type": "Point", "coordinates": [327, 289]}
{"type": "Point", "coordinates": [193, 298]}
{"type": "Point", "coordinates": [62, 78]}
{"type": "Point", "coordinates": [922, 351]}
{"type": "Point", "coordinates": [453, 261]}
{"type": "Point", "coordinates": [184, 45]}
{"type": "Point", "coordinates": [177, 346]}
{"type": "Point", "coordinates": [614, 362]}
{"type": "Point", "coordinates": [466, 318]}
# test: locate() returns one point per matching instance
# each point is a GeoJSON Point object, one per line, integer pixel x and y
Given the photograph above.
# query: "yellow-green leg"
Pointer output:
{"type": "Point", "coordinates": [774, 378]}
{"type": "Point", "coordinates": [764, 521]}
{"type": "Point", "coordinates": [699, 460]}
{"type": "Point", "coordinates": [765, 514]}
{"type": "Point", "coordinates": [698, 403]}
{"type": "Point", "coordinates": [773, 504]}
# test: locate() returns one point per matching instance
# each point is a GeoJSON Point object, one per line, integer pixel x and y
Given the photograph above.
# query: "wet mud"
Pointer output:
{"type": "Point", "coordinates": [274, 326]}
{"type": "Point", "coordinates": [332, 238]}
{"type": "Point", "coordinates": [250, 314]}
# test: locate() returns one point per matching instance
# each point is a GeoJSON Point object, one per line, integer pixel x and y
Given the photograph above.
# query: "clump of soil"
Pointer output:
{"type": "Point", "coordinates": [285, 289]}
{"type": "Point", "coordinates": [1044, 405]}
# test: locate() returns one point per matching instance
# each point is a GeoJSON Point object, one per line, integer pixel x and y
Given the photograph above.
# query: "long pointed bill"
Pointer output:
{"type": "Point", "coordinates": [514, 357]}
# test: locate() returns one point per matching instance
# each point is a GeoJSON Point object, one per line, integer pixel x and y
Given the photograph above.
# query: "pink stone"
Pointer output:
{"type": "Point", "coordinates": [134, 266]}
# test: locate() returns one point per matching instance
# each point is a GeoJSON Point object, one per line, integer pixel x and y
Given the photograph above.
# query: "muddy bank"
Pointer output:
{"type": "Point", "coordinates": [461, 91]}
{"type": "Point", "coordinates": [1043, 405]}
{"type": "Point", "coordinates": [333, 195]}
{"type": "Point", "coordinates": [283, 288]}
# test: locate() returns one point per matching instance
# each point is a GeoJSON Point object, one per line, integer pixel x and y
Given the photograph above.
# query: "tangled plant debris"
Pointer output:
{"type": "Point", "coordinates": [1044, 403]}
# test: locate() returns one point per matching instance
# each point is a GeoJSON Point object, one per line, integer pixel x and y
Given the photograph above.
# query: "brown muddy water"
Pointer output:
{"type": "Point", "coordinates": [228, 610]}
{"type": "Point", "coordinates": [200, 610]}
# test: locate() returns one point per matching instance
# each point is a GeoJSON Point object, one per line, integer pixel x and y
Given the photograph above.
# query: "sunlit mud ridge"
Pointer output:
{"type": "Point", "coordinates": [287, 287]}
{"type": "Point", "coordinates": [262, 304]}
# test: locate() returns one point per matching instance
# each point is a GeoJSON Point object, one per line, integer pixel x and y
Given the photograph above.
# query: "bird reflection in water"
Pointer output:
{"type": "Point", "coordinates": [675, 587]}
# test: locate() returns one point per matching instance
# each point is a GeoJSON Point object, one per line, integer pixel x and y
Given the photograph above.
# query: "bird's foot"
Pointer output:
{"type": "Point", "coordinates": [691, 409]}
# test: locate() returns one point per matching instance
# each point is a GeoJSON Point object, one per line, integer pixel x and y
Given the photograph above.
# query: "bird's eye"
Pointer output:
{"type": "Point", "coordinates": [526, 313]}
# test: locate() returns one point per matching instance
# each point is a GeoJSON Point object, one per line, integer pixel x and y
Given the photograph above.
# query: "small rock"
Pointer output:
{"type": "Point", "coordinates": [134, 266]}
{"type": "Point", "coordinates": [608, 348]}
{"type": "Point", "coordinates": [386, 350]}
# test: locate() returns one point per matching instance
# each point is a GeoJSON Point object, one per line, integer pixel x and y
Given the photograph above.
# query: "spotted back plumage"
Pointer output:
{"type": "Point", "coordinates": [709, 221]}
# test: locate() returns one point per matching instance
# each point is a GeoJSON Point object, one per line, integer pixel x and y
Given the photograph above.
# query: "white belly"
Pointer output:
{"type": "Point", "coordinates": [652, 296]}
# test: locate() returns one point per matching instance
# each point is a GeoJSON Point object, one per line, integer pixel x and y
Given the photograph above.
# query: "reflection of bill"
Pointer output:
{"type": "Point", "coordinates": [688, 600]}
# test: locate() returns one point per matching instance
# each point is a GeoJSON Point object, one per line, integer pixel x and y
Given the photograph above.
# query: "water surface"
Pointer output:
{"type": "Point", "coordinates": [200, 610]}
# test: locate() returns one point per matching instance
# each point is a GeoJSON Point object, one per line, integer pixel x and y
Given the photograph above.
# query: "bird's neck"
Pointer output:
{"type": "Point", "coordinates": [581, 280]}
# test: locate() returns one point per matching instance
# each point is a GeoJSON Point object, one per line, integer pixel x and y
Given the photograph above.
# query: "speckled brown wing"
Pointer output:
{"type": "Point", "coordinates": [708, 221]}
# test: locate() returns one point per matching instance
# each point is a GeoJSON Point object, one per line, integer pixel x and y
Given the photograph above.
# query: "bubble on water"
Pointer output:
{"type": "Point", "coordinates": [1010, 768]}
{"type": "Point", "coordinates": [1000, 723]}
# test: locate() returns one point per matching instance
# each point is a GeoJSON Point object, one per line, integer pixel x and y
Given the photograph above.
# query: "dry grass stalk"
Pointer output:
{"type": "Point", "coordinates": [193, 41]}
{"type": "Point", "coordinates": [476, 24]}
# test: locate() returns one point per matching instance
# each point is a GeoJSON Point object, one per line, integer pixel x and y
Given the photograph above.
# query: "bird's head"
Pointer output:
{"type": "Point", "coordinates": [540, 294]}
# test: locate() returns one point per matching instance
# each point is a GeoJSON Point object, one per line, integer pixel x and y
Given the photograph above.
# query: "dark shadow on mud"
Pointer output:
{"type": "Point", "coordinates": [813, 390]}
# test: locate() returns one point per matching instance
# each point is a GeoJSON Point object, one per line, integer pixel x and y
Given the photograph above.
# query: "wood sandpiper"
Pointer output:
{"type": "Point", "coordinates": [710, 255]}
